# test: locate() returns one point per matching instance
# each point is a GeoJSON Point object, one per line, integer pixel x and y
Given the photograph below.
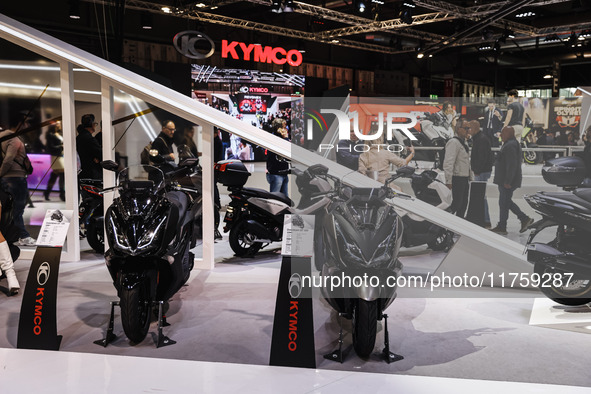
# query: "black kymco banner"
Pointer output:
{"type": "Point", "coordinates": [293, 326]}
{"type": "Point", "coordinates": [37, 328]}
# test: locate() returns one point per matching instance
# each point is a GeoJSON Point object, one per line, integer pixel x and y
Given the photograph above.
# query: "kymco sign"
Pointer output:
{"type": "Point", "coordinates": [261, 54]}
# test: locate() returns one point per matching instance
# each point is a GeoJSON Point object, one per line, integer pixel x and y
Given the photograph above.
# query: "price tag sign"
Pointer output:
{"type": "Point", "coordinates": [298, 236]}
{"type": "Point", "coordinates": [55, 227]}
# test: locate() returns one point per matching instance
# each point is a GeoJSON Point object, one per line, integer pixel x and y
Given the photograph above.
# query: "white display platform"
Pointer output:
{"type": "Point", "coordinates": [547, 313]}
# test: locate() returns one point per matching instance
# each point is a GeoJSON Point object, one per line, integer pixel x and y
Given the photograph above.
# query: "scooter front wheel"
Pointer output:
{"type": "Point", "coordinates": [135, 312]}
{"type": "Point", "coordinates": [365, 324]}
{"type": "Point", "coordinates": [576, 292]}
{"type": "Point", "coordinates": [95, 236]}
{"type": "Point", "coordinates": [242, 241]}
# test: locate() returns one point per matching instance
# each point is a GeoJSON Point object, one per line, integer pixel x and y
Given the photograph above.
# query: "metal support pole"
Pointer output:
{"type": "Point", "coordinates": [108, 142]}
{"type": "Point", "coordinates": [72, 252]}
{"type": "Point", "coordinates": [207, 262]}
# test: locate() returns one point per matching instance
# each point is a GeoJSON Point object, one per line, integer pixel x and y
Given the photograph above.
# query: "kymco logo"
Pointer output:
{"type": "Point", "coordinates": [185, 42]}
{"type": "Point", "coordinates": [344, 124]}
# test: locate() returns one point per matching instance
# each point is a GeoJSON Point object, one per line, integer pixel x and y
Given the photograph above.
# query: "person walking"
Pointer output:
{"type": "Point", "coordinates": [456, 166]}
{"type": "Point", "coordinates": [481, 161]}
{"type": "Point", "coordinates": [508, 178]}
{"type": "Point", "coordinates": [13, 179]}
{"type": "Point", "coordinates": [55, 147]}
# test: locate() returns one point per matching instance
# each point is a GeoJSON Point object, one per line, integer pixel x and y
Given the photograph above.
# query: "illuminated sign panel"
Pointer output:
{"type": "Point", "coordinates": [258, 53]}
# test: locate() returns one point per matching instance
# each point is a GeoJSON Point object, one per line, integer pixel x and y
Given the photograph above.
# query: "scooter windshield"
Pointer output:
{"type": "Point", "coordinates": [142, 179]}
{"type": "Point", "coordinates": [366, 207]}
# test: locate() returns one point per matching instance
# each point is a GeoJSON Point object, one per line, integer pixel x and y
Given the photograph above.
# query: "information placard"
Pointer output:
{"type": "Point", "coordinates": [55, 227]}
{"type": "Point", "coordinates": [298, 236]}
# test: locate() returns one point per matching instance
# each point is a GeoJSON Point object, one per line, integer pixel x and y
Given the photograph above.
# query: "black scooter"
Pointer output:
{"type": "Point", "coordinates": [562, 266]}
{"type": "Point", "coordinates": [361, 236]}
{"type": "Point", "coordinates": [151, 227]}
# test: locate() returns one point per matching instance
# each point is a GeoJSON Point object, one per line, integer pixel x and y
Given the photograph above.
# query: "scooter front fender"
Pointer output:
{"type": "Point", "coordinates": [368, 293]}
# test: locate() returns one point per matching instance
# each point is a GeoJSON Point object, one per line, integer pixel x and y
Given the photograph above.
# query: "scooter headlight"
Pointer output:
{"type": "Point", "coordinates": [350, 253]}
{"type": "Point", "coordinates": [149, 237]}
{"type": "Point", "coordinates": [119, 238]}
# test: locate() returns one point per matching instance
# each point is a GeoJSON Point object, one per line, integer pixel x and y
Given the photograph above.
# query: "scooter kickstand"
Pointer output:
{"type": "Point", "coordinates": [162, 340]}
{"type": "Point", "coordinates": [386, 353]}
{"type": "Point", "coordinates": [110, 337]}
{"type": "Point", "coordinates": [338, 355]}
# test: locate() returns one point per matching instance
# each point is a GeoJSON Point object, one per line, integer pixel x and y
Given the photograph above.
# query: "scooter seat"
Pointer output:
{"type": "Point", "coordinates": [573, 198]}
{"type": "Point", "coordinates": [270, 195]}
{"type": "Point", "coordinates": [584, 194]}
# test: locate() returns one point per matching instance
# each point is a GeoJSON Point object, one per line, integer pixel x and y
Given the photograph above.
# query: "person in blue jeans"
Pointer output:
{"type": "Point", "coordinates": [277, 170]}
{"type": "Point", "coordinates": [508, 178]}
{"type": "Point", "coordinates": [481, 161]}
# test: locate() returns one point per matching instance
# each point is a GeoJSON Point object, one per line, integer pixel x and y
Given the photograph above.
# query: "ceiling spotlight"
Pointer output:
{"type": "Point", "coordinates": [276, 7]}
{"type": "Point", "coordinates": [166, 10]}
{"type": "Point", "coordinates": [409, 4]}
{"type": "Point", "coordinates": [548, 75]}
{"type": "Point", "coordinates": [484, 48]}
{"type": "Point", "coordinates": [406, 16]}
{"type": "Point", "coordinates": [288, 7]}
{"type": "Point", "coordinates": [147, 21]}
{"type": "Point", "coordinates": [420, 55]}
{"type": "Point", "coordinates": [510, 34]}
{"type": "Point", "coordinates": [528, 14]}
{"type": "Point", "coordinates": [74, 11]}
{"type": "Point", "coordinates": [360, 5]}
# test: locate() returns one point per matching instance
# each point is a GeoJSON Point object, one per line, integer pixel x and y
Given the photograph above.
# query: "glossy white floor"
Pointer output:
{"type": "Point", "coordinates": [476, 341]}
{"type": "Point", "coordinates": [34, 371]}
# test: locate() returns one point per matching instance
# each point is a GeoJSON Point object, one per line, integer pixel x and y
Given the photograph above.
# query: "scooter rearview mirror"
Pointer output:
{"type": "Point", "coordinates": [109, 165]}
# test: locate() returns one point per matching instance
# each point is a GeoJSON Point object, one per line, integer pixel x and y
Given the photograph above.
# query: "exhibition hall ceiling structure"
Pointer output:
{"type": "Point", "coordinates": [387, 32]}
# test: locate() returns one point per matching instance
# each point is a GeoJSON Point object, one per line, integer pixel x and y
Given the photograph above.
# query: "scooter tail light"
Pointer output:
{"type": "Point", "coordinates": [221, 167]}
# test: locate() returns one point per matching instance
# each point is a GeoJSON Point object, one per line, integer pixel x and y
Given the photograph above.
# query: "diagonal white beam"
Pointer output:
{"type": "Point", "coordinates": [194, 111]}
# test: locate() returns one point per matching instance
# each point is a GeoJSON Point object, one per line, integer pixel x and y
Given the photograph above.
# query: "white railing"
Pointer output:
{"type": "Point", "coordinates": [484, 248]}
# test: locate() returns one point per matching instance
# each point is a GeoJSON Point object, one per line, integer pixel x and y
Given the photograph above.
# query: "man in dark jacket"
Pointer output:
{"type": "Point", "coordinates": [89, 150]}
{"type": "Point", "coordinates": [493, 122]}
{"type": "Point", "coordinates": [163, 143]}
{"type": "Point", "coordinates": [481, 160]}
{"type": "Point", "coordinates": [508, 178]}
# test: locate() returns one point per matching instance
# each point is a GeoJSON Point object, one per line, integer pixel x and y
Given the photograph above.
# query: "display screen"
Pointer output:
{"type": "Point", "coordinates": [252, 104]}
